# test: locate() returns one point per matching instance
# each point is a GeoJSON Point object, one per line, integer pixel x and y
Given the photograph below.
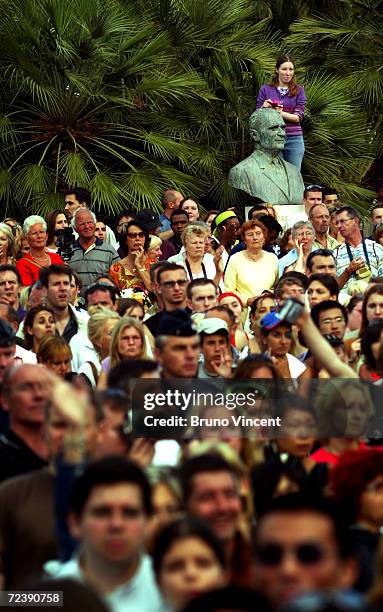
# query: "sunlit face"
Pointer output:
{"type": "Point", "coordinates": [37, 236]}
{"type": "Point", "coordinates": [106, 336]}
{"type": "Point", "coordinates": [297, 436]}
{"type": "Point", "coordinates": [322, 264]}
{"type": "Point", "coordinates": [135, 238]}
{"type": "Point", "coordinates": [191, 208]}
{"type": "Point", "coordinates": [345, 224]}
{"type": "Point", "coordinates": [61, 222]}
{"type": "Point", "coordinates": [312, 198]}
{"type": "Point", "coordinates": [374, 307]}
{"type": "Point", "coordinates": [316, 293]}
{"type": "Point", "coordinates": [305, 237]}
{"type": "Point", "coordinates": [278, 341]}
{"type": "Point", "coordinates": [320, 218]}
{"type": "Point", "coordinates": [215, 498]}
{"type": "Point", "coordinates": [60, 365]}
{"type": "Point", "coordinates": [130, 343]}
{"type": "Point", "coordinates": [155, 254]}
{"type": "Point", "coordinates": [195, 245]}
{"type": "Point", "coordinates": [137, 312]}
{"type": "Point", "coordinates": [264, 306]}
{"type": "Point", "coordinates": [9, 285]}
{"type": "Point", "coordinates": [85, 225]}
{"type": "Point", "coordinates": [71, 205]}
{"type": "Point", "coordinates": [203, 298]}
{"type": "Point", "coordinates": [332, 321]}
{"type": "Point", "coordinates": [377, 216]}
{"type": "Point", "coordinates": [254, 238]}
{"type": "Point", "coordinates": [100, 230]}
{"type": "Point", "coordinates": [330, 199]}
{"type": "Point", "coordinates": [189, 568]}
{"type": "Point", "coordinates": [4, 243]}
{"type": "Point", "coordinates": [112, 524]}
{"type": "Point", "coordinates": [282, 578]}
{"type": "Point", "coordinates": [43, 325]}
{"type": "Point", "coordinates": [285, 73]}
{"type": "Point", "coordinates": [234, 306]}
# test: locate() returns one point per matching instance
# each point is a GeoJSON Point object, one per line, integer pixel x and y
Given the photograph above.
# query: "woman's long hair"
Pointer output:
{"type": "Point", "coordinates": [293, 85]}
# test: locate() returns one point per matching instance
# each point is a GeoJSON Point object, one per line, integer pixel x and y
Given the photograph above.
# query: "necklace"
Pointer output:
{"type": "Point", "coordinates": [44, 258]}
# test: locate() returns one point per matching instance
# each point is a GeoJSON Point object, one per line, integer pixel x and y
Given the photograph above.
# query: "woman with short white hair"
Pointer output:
{"type": "Point", "coordinates": [196, 263]}
{"type": "Point", "coordinates": [303, 235]}
{"type": "Point", "coordinates": [29, 266]}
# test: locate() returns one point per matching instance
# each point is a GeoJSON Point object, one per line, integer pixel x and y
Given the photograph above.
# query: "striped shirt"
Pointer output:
{"type": "Point", "coordinates": [92, 262]}
{"type": "Point", "coordinates": [375, 256]}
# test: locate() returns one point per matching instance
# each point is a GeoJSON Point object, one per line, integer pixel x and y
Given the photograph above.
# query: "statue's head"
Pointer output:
{"type": "Point", "coordinates": [267, 130]}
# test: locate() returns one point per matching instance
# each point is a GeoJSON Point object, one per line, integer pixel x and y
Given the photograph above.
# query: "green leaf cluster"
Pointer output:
{"type": "Point", "coordinates": [129, 97]}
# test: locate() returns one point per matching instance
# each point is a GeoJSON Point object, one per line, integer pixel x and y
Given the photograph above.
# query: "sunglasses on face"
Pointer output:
{"type": "Point", "coordinates": [172, 284]}
{"type": "Point", "coordinates": [135, 235]}
{"type": "Point", "coordinates": [306, 553]}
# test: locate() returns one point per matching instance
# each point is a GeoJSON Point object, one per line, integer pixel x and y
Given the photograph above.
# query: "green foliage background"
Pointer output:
{"type": "Point", "coordinates": [128, 97]}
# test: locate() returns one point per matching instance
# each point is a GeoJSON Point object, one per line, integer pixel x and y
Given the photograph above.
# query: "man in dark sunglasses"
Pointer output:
{"type": "Point", "coordinates": [301, 545]}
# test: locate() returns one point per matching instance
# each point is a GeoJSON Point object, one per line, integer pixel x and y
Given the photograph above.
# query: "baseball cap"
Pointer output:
{"type": "Point", "coordinates": [271, 320]}
{"type": "Point", "coordinates": [176, 323]}
{"type": "Point", "coordinates": [148, 219]}
{"type": "Point", "coordinates": [213, 325]}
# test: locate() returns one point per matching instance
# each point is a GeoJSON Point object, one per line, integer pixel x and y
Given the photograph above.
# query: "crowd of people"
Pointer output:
{"type": "Point", "coordinates": [228, 517]}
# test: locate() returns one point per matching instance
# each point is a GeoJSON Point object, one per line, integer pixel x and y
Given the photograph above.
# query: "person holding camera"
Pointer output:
{"type": "Point", "coordinates": [358, 258]}
{"type": "Point", "coordinates": [288, 98]}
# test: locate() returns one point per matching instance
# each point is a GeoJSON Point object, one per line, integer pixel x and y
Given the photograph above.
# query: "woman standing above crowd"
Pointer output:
{"type": "Point", "coordinates": [289, 100]}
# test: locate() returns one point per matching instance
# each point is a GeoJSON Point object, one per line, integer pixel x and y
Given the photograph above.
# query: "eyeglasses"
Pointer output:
{"type": "Point", "coordinates": [343, 221]}
{"type": "Point", "coordinates": [304, 235]}
{"type": "Point", "coordinates": [333, 319]}
{"type": "Point", "coordinates": [135, 235]}
{"type": "Point", "coordinates": [172, 284]}
{"type": "Point", "coordinates": [307, 553]}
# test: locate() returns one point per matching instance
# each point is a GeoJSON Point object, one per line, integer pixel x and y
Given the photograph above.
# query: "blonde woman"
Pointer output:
{"type": "Point", "coordinates": [7, 245]}
{"type": "Point", "coordinates": [196, 263]}
{"type": "Point", "coordinates": [128, 341]}
{"type": "Point", "coordinates": [88, 350]}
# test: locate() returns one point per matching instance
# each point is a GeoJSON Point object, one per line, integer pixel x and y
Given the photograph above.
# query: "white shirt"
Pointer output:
{"type": "Point", "coordinates": [140, 594]}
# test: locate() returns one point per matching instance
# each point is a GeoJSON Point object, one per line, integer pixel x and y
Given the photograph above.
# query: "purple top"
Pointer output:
{"type": "Point", "coordinates": [291, 104]}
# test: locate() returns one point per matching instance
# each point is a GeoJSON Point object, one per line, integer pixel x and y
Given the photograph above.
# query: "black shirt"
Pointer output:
{"type": "Point", "coordinates": [16, 457]}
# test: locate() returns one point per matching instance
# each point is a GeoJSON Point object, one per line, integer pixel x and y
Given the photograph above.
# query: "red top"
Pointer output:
{"type": "Point", "coordinates": [30, 270]}
{"type": "Point", "coordinates": [324, 456]}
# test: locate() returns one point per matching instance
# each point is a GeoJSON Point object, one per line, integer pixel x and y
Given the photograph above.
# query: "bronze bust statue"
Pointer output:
{"type": "Point", "coordinates": [264, 174]}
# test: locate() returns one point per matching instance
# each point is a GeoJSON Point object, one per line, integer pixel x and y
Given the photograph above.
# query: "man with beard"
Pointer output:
{"type": "Point", "coordinates": [320, 218]}
{"type": "Point", "coordinates": [211, 491]}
